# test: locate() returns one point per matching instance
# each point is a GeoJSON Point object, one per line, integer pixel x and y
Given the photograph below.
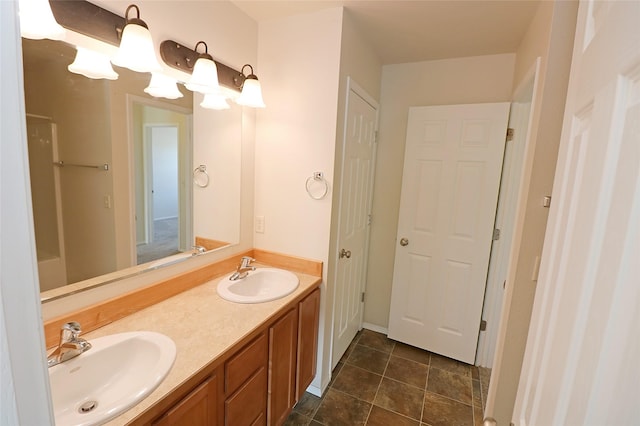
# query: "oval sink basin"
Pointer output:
{"type": "Point", "coordinates": [261, 285]}
{"type": "Point", "coordinates": [114, 375]}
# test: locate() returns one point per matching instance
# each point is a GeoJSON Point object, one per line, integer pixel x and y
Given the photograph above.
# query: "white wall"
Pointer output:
{"type": "Point", "coordinates": [299, 57]}
{"type": "Point", "coordinates": [221, 154]}
{"type": "Point", "coordinates": [450, 81]}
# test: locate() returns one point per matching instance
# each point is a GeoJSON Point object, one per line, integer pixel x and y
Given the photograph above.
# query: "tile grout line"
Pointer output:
{"type": "Point", "coordinates": [424, 396]}
{"type": "Point", "coordinates": [381, 379]}
{"type": "Point", "coordinates": [383, 376]}
{"type": "Point", "coordinates": [379, 384]}
{"type": "Point", "coordinates": [330, 386]}
{"type": "Point", "coordinates": [459, 375]}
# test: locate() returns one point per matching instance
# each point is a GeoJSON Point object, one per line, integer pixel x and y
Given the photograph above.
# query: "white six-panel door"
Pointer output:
{"type": "Point", "coordinates": [453, 162]}
{"type": "Point", "coordinates": [581, 363]}
{"type": "Point", "coordinates": [355, 205]}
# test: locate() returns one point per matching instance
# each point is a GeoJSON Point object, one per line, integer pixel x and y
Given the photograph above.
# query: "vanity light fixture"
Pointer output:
{"type": "Point", "coordinates": [251, 95]}
{"type": "Point", "coordinates": [214, 101]}
{"type": "Point", "coordinates": [183, 58]}
{"type": "Point", "coordinates": [37, 21]}
{"type": "Point", "coordinates": [204, 78]}
{"type": "Point", "coordinates": [136, 50]}
{"type": "Point", "coordinates": [163, 86]}
{"type": "Point", "coordinates": [92, 64]}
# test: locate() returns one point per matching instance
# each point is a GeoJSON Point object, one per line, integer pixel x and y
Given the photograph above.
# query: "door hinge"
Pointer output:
{"type": "Point", "coordinates": [510, 133]}
{"type": "Point", "coordinates": [496, 234]}
{"type": "Point", "coordinates": [483, 325]}
{"type": "Point", "coordinates": [376, 136]}
{"type": "Point", "coordinates": [369, 218]}
{"type": "Point", "coordinates": [362, 297]}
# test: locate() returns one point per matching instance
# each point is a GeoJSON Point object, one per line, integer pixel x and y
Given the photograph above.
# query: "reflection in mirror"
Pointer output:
{"type": "Point", "coordinates": [162, 158]}
{"type": "Point", "coordinates": [112, 172]}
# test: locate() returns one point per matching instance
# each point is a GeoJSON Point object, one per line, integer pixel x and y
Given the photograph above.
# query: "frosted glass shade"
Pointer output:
{"type": "Point", "coordinates": [37, 21]}
{"type": "Point", "coordinates": [214, 101]}
{"type": "Point", "coordinates": [136, 50]}
{"type": "Point", "coordinates": [251, 95]}
{"type": "Point", "coordinates": [204, 78]}
{"type": "Point", "coordinates": [92, 64]}
{"type": "Point", "coordinates": [162, 86]}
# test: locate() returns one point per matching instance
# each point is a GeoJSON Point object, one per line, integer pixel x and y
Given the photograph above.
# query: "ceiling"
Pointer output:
{"type": "Point", "coordinates": [419, 30]}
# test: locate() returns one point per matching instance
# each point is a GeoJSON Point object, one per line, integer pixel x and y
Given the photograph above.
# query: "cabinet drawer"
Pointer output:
{"type": "Point", "coordinates": [248, 406]}
{"type": "Point", "coordinates": [243, 365]}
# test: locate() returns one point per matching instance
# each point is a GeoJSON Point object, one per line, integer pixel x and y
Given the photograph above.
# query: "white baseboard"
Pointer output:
{"type": "Point", "coordinates": [314, 390]}
{"type": "Point", "coordinates": [375, 328]}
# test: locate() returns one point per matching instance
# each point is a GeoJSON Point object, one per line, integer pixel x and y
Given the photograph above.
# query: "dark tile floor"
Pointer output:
{"type": "Point", "coordinates": [380, 382]}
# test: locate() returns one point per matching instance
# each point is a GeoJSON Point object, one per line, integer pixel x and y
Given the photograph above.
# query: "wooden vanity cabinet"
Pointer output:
{"type": "Point", "coordinates": [199, 408]}
{"type": "Point", "coordinates": [260, 383]}
{"type": "Point", "coordinates": [293, 344]}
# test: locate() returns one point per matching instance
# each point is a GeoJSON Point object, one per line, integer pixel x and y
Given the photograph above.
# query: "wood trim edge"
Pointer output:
{"type": "Point", "coordinates": [100, 314]}
{"type": "Point", "coordinates": [292, 263]}
{"type": "Point", "coordinates": [103, 313]}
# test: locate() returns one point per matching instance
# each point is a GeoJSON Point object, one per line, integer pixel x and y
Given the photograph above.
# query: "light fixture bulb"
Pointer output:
{"type": "Point", "coordinates": [136, 50]}
{"type": "Point", "coordinates": [163, 86]}
{"type": "Point", "coordinates": [251, 95]}
{"type": "Point", "coordinates": [214, 101]}
{"type": "Point", "coordinates": [204, 78]}
{"type": "Point", "coordinates": [92, 64]}
{"type": "Point", "coordinates": [37, 21]}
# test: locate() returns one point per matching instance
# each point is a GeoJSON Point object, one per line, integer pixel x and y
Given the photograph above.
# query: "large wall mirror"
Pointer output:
{"type": "Point", "coordinates": [121, 183]}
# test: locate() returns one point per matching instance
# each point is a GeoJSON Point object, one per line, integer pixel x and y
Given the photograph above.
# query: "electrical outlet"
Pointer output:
{"type": "Point", "coordinates": [260, 224]}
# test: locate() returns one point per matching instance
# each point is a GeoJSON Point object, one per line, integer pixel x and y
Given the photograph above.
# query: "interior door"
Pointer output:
{"type": "Point", "coordinates": [581, 364]}
{"type": "Point", "coordinates": [355, 206]}
{"type": "Point", "coordinates": [451, 178]}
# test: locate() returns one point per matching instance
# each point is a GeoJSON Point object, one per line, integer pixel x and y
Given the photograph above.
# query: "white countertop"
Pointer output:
{"type": "Point", "coordinates": [202, 325]}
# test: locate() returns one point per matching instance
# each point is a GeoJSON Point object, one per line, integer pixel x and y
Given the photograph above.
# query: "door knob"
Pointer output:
{"type": "Point", "coordinates": [404, 242]}
{"type": "Point", "coordinates": [345, 253]}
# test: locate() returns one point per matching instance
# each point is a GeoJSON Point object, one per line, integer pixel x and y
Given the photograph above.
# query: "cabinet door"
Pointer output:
{"type": "Point", "coordinates": [309, 314]}
{"type": "Point", "coordinates": [199, 408]}
{"type": "Point", "coordinates": [283, 336]}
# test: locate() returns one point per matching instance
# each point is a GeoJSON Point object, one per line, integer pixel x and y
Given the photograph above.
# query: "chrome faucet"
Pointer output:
{"type": "Point", "coordinates": [70, 345]}
{"type": "Point", "coordinates": [198, 250]}
{"type": "Point", "coordinates": [243, 268]}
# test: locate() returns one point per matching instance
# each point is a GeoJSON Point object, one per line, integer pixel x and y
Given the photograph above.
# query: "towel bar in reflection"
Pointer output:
{"type": "Point", "coordinates": [61, 163]}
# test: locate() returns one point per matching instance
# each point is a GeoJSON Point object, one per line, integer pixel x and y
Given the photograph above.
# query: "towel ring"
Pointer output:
{"type": "Point", "coordinates": [317, 177]}
{"type": "Point", "coordinates": [200, 176]}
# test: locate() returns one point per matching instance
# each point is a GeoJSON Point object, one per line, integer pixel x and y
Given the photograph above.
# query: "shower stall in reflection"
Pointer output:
{"type": "Point", "coordinates": [46, 200]}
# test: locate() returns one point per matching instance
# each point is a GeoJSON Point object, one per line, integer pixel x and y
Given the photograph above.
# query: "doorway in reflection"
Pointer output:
{"type": "Point", "coordinates": [162, 154]}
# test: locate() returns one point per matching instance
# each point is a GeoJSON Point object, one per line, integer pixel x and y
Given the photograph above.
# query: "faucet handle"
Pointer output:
{"type": "Point", "coordinates": [70, 331]}
{"type": "Point", "coordinates": [246, 261]}
{"type": "Point", "coordinates": [198, 250]}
